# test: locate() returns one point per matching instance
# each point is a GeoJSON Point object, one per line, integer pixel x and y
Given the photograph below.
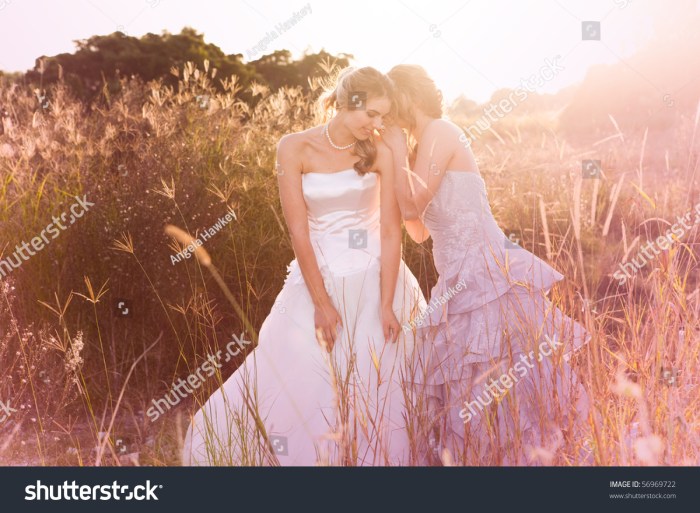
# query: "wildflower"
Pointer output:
{"type": "Point", "coordinates": [73, 359]}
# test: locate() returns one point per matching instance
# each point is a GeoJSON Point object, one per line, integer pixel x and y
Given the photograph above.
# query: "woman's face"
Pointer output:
{"type": "Point", "coordinates": [363, 120]}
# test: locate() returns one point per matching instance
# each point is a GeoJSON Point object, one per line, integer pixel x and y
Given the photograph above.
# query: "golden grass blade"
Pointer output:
{"type": "Point", "coordinates": [617, 127]}
{"type": "Point", "coordinates": [640, 169]}
{"type": "Point", "coordinates": [576, 212]}
{"type": "Point", "coordinates": [594, 200]}
{"type": "Point", "coordinates": [101, 447]}
{"type": "Point", "coordinates": [187, 240]}
{"type": "Point", "coordinates": [644, 195]}
{"type": "Point", "coordinates": [629, 249]}
{"type": "Point", "coordinates": [545, 229]}
{"type": "Point", "coordinates": [614, 195]}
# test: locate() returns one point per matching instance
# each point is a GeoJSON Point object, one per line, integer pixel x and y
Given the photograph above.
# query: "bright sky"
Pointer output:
{"type": "Point", "coordinates": [468, 46]}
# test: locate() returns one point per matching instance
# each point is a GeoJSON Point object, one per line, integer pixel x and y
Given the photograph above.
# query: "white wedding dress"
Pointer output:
{"type": "Point", "coordinates": [291, 402]}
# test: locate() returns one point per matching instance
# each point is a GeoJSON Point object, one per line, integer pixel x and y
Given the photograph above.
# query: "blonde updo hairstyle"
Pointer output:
{"type": "Point", "coordinates": [352, 80]}
{"type": "Point", "coordinates": [414, 88]}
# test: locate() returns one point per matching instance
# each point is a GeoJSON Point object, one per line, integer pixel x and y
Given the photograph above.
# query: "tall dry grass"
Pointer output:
{"type": "Point", "coordinates": [81, 377]}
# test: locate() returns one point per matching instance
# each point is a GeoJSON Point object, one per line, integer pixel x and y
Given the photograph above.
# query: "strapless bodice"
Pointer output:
{"type": "Point", "coordinates": [344, 213]}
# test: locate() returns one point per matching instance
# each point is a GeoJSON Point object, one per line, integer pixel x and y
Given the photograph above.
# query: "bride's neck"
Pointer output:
{"type": "Point", "coordinates": [340, 135]}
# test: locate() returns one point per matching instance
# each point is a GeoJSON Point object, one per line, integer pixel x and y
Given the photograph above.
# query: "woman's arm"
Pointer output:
{"type": "Point", "coordinates": [296, 217]}
{"type": "Point", "coordinates": [416, 187]}
{"type": "Point", "coordinates": [390, 220]}
{"type": "Point", "coordinates": [414, 226]}
{"type": "Point", "coordinates": [394, 137]}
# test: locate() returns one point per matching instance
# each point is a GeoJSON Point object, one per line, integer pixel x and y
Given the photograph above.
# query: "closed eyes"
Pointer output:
{"type": "Point", "coordinates": [373, 114]}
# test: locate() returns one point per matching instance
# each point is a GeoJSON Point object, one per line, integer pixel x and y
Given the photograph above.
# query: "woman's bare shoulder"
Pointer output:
{"type": "Point", "coordinates": [442, 126]}
{"type": "Point", "coordinates": [295, 140]}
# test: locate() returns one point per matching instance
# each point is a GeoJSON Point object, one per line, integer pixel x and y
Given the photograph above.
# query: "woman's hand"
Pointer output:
{"type": "Point", "coordinates": [390, 325]}
{"type": "Point", "coordinates": [326, 320]}
{"type": "Point", "coordinates": [395, 138]}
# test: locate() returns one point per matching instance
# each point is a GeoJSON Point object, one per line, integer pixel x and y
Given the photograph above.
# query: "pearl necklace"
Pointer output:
{"type": "Point", "coordinates": [328, 136]}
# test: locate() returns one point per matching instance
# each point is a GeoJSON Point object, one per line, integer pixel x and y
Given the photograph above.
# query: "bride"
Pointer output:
{"type": "Point", "coordinates": [494, 368]}
{"type": "Point", "coordinates": [324, 385]}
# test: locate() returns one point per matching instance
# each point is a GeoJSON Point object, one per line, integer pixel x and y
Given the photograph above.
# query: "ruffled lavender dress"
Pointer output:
{"type": "Point", "coordinates": [495, 350]}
